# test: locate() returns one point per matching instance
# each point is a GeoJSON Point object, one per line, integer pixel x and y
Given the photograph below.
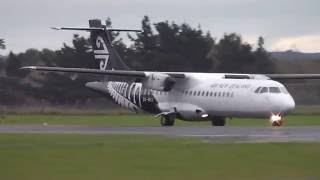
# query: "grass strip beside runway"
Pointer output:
{"type": "Point", "coordinates": [144, 120]}
{"type": "Point", "coordinates": [77, 157]}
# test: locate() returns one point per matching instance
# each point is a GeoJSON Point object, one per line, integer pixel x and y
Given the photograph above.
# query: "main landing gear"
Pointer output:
{"type": "Point", "coordinates": [167, 120]}
{"type": "Point", "coordinates": [218, 121]}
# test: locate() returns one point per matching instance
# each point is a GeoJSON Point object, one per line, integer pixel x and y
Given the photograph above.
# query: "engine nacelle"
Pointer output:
{"type": "Point", "coordinates": [184, 111]}
{"type": "Point", "coordinates": [159, 82]}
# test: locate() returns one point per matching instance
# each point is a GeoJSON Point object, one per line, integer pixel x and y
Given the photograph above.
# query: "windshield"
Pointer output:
{"type": "Point", "coordinates": [273, 90]}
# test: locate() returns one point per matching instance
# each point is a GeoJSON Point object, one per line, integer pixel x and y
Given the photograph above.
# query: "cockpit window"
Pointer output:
{"type": "Point", "coordinates": [264, 90]}
{"type": "Point", "coordinates": [274, 90]}
{"type": "Point", "coordinates": [257, 90]}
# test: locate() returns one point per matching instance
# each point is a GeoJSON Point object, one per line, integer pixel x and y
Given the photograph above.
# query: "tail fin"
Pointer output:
{"type": "Point", "coordinates": [106, 56]}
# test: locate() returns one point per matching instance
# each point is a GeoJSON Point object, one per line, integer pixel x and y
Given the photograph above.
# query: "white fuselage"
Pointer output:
{"type": "Point", "coordinates": [200, 96]}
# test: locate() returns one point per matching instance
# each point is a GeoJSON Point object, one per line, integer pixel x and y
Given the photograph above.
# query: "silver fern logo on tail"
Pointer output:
{"type": "Point", "coordinates": [102, 53]}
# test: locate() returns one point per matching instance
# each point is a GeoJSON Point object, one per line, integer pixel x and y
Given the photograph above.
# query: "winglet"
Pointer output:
{"type": "Point", "coordinates": [56, 28]}
{"type": "Point", "coordinates": [28, 68]}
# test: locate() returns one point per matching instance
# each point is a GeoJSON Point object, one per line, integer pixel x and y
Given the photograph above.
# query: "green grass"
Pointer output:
{"type": "Point", "coordinates": [83, 157]}
{"type": "Point", "coordinates": [144, 120]}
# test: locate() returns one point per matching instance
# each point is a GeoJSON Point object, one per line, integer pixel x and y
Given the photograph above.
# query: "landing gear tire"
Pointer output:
{"type": "Point", "coordinates": [167, 121]}
{"type": "Point", "coordinates": [218, 121]}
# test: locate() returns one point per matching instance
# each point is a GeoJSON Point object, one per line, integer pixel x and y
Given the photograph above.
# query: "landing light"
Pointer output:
{"type": "Point", "coordinates": [204, 115]}
{"type": "Point", "coordinates": [275, 117]}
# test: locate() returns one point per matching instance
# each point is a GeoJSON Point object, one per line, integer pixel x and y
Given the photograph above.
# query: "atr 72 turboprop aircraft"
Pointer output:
{"type": "Point", "coordinates": [183, 95]}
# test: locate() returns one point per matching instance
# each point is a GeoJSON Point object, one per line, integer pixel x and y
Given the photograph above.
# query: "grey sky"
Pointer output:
{"type": "Point", "coordinates": [284, 23]}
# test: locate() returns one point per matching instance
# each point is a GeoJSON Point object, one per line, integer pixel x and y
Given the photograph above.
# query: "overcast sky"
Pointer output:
{"type": "Point", "coordinates": [285, 24]}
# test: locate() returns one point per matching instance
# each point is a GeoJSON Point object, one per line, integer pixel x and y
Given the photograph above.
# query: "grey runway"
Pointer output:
{"type": "Point", "coordinates": [208, 134]}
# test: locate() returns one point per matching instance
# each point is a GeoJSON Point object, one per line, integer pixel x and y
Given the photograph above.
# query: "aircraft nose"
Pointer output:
{"type": "Point", "coordinates": [290, 104]}
{"type": "Point", "coordinates": [283, 104]}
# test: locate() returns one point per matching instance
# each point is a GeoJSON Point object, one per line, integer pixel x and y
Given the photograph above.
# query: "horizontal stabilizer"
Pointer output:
{"type": "Point", "coordinates": [94, 29]}
{"type": "Point", "coordinates": [78, 29]}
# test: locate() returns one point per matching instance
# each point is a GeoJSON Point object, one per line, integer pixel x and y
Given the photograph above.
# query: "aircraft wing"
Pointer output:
{"type": "Point", "coordinates": [292, 76]}
{"type": "Point", "coordinates": [145, 74]}
{"type": "Point", "coordinates": [98, 71]}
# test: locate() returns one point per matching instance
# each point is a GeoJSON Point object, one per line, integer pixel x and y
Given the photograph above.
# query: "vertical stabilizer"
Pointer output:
{"type": "Point", "coordinates": [106, 56]}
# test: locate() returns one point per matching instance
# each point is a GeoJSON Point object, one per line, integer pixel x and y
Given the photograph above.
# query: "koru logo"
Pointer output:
{"type": "Point", "coordinates": [102, 53]}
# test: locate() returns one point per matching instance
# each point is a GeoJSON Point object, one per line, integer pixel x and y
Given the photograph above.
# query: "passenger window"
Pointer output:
{"type": "Point", "coordinates": [199, 93]}
{"type": "Point", "coordinates": [215, 94]}
{"type": "Point", "coordinates": [211, 93]}
{"type": "Point", "coordinates": [257, 90]}
{"type": "Point", "coordinates": [274, 90]}
{"type": "Point", "coordinates": [264, 90]}
{"type": "Point", "coordinates": [195, 93]}
{"type": "Point", "coordinates": [228, 94]}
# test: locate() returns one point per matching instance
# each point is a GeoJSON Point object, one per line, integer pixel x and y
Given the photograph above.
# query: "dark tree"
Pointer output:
{"type": "Point", "coordinates": [145, 41]}
{"type": "Point", "coordinates": [232, 55]}
{"type": "Point", "coordinates": [172, 47]}
{"type": "Point", "coordinates": [12, 66]}
{"type": "Point", "coordinates": [2, 44]}
{"type": "Point", "coordinates": [264, 62]}
{"type": "Point", "coordinates": [66, 88]}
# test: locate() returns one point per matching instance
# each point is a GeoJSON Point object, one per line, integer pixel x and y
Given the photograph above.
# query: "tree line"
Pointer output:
{"type": "Point", "coordinates": [162, 46]}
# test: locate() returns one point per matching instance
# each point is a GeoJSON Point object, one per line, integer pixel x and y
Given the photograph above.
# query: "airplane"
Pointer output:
{"type": "Point", "coordinates": [183, 95]}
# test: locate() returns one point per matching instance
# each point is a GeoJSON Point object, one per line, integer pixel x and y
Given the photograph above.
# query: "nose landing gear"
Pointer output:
{"type": "Point", "coordinates": [276, 120]}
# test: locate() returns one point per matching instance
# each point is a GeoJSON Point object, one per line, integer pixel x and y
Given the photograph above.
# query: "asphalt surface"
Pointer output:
{"type": "Point", "coordinates": [207, 134]}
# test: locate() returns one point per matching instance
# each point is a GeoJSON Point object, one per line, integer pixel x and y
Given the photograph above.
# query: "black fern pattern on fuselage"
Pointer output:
{"type": "Point", "coordinates": [133, 96]}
